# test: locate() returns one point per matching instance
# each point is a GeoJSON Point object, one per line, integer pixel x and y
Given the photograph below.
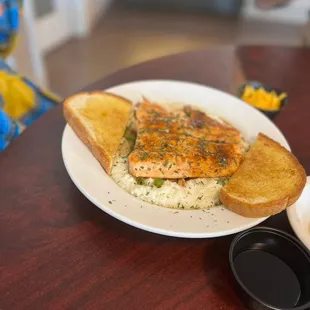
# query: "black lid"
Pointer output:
{"type": "Point", "coordinates": [271, 269]}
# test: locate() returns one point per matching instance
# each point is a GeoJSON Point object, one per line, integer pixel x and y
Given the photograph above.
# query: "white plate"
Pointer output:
{"type": "Point", "coordinates": [299, 215]}
{"type": "Point", "coordinates": [100, 189]}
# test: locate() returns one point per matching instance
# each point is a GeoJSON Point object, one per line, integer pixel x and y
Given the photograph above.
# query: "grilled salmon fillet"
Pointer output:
{"type": "Point", "coordinates": [183, 144]}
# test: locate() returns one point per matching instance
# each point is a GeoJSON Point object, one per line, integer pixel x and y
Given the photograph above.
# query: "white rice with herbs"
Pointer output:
{"type": "Point", "coordinates": [200, 193]}
{"type": "Point", "coordinates": [196, 194]}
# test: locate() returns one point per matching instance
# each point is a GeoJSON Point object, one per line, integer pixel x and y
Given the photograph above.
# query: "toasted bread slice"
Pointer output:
{"type": "Point", "coordinates": [99, 119]}
{"type": "Point", "coordinates": [269, 180]}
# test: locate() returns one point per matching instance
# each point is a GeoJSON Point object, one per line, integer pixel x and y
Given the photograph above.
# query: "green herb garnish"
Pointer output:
{"type": "Point", "coordinates": [140, 181]}
{"type": "Point", "coordinates": [187, 112]}
{"type": "Point", "coordinates": [222, 161]}
{"type": "Point", "coordinates": [164, 145]}
{"type": "Point", "coordinates": [130, 138]}
{"type": "Point", "coordinates": [143, 156]}
{"type": "Point", "coordinates": [222, 181]}
{"type": "Point", "coordinates": [158, 182]}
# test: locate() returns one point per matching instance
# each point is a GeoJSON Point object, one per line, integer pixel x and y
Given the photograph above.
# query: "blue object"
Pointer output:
{"type": "Point", "coordinates": [9, 130]}
{"type": "Point", "coordinates": [9, 22]}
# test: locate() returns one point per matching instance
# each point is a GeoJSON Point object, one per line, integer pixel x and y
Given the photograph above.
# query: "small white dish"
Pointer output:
{"type": "Point", "coordinates": [100, 189]}
{"type": "Point", "coordinates": [299, 215]}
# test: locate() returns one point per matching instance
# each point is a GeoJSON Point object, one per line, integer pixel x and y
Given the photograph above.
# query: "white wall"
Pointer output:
{"type": "Point", "coordinates": [53, 29]}
{"type": "Point", "coordinates": [87, 13]}
{"type": "Point", "coordinates": [296, 12]}
{"type": "Point", "coordinates": [96, 9]}
{"type": "Point", "coordinates": [28, 59]}
{"type": "Point", "coordinates": [28, 56]}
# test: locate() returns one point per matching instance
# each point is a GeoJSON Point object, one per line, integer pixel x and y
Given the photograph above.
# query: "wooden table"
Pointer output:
{"type": "Point", "coordinates": [58, 251]}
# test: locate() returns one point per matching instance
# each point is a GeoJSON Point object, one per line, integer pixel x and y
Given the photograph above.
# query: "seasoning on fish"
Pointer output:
{"type": "Point", "coordinates": [183, 144]}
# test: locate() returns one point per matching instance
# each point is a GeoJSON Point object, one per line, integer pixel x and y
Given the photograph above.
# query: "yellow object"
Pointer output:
{"type": "Point", "coordinates": [10, 47]}
{"type": "Point", "coordinates": [262, 99]}
{"type": "Point", "coordinates": [18, 97]}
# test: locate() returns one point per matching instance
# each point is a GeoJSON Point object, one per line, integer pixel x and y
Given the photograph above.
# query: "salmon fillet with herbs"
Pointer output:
{"type": "Point", "coordinates": [183, 144]}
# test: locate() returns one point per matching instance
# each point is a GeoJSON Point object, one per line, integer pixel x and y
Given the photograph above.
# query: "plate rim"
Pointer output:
{"type": "Point", "coordinates": [147, 228]}
{"type": "Point", "coordinates": [157, 230]}
{"type": "Point", "coordinates": [291, 213]}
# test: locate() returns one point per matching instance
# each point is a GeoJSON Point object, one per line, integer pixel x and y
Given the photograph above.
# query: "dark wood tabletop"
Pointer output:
{"type": "Point", "coordinates": [58, 251]}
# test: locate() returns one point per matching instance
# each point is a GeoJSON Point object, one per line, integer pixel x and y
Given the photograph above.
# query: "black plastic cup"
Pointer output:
{"type": "Point", "coordinates": [271, 114]}
{"type": "Point", "coordinates": [271, 269]}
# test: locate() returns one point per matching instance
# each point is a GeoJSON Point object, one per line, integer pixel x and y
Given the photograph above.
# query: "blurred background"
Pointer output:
{"type": "Point", "coordinates": [68, 44]}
